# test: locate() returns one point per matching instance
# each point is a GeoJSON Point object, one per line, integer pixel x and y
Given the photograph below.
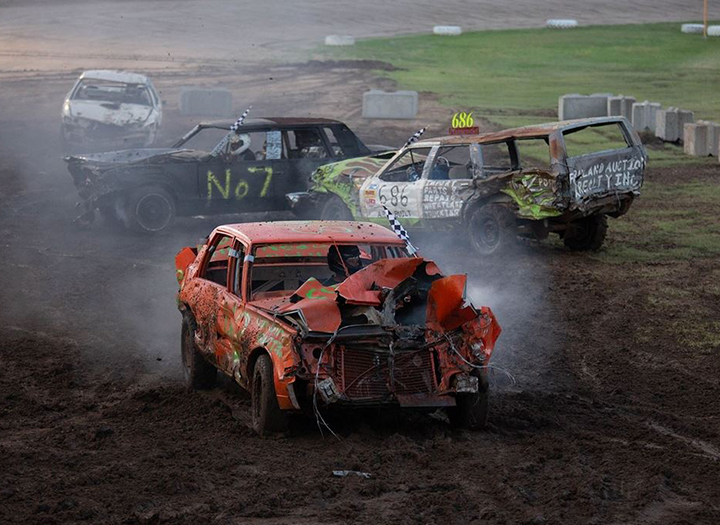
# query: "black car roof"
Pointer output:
{"type": "Point", "coordinates": [282, 122]}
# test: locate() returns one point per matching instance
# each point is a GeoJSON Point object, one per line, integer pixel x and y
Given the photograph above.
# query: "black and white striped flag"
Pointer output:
{"type": "Point", "coordinates": [239, 122]}
{"type": "Point", "coordinates": [235, 128]}
{"type": "Point", "coordinates": [415, 137]}
{"type": "Point", "coordinates": [399, 230]}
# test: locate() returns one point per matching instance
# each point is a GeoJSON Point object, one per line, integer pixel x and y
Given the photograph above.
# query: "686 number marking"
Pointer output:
{"type": "Point", "coordinates": [397, 196]}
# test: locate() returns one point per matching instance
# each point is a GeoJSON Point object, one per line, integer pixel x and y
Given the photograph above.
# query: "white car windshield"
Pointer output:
{"type": "Point", "coordinates": [113, 92]}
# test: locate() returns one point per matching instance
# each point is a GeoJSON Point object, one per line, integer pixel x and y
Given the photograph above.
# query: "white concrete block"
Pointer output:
{"type": "Point", "coordinates": [620, 106]}
{"type": "Point", "coordinates": [713, 30]}
{"type": "Point", "coordinates": [691, 28]}
{"type": "Point", "coordinates": [390, 105]}
{"type": "Point", "coordinates": [582, 106]}
{"type": "Point", "coordinates": [561, 23]}
{"type": "Point", "coordinates": [713, 136]}
{"type": "Point", "coordinates": [206, 102]}
{"type": "Point", "coordinates": [447, 30]}
{"type": "Point", "coordinates": [671, 122]}
{"type": "Point", "coordinates": [643, 116]}
{"type": "Point", "coordinates": [695, 140]}
{"type": "Point", "coordinates": [339, 40]}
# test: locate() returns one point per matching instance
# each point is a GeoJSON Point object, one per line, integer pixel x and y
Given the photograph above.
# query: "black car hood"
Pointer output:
{"type": "Point", "coordinates": [132, 156]}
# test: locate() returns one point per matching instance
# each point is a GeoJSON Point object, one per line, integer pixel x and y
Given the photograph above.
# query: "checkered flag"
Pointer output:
{"type": "Point", "coordinates": [235, 128]}
{"type": "Point", "coordinates": [399, 230]}
{"type": "Point", "coordinates": [239, 122]}
{"type": "Point", "coordinates": [416, 136]}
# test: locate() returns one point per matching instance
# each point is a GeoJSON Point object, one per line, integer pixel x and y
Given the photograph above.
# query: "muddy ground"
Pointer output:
{"type": "Point", "coordinates": [593, 420]}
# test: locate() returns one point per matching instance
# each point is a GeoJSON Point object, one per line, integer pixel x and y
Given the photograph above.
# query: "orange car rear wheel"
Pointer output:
{"type": "Point", "coordinates": [266, 414]}
{"type": "Point", "coordinates": [199, 374]}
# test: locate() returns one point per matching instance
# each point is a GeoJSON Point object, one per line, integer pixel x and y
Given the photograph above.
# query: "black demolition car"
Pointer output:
{"type": "Point", "coordinates": [210, 170]}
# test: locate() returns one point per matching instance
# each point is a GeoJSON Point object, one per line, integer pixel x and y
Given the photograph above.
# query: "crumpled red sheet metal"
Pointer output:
{"type": "Point", "coordinates": [318, 304]}
{"type": "Point", "coordinates": [183, 259]}
{"type": "Point", "coordinates": [320, 308]}
{"type": "Point", "coordinates": [446, 306]}
{"type": "Point", "coordinates": [385, 273]}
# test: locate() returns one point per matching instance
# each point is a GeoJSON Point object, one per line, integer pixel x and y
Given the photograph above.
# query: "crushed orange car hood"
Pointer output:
{"type": "Point", "coordinates": [321, 305]}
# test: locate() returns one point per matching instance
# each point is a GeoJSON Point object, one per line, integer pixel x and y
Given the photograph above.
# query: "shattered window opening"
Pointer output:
{"type": "Point", "coordinates": [496, 158]}
{"type": "Point", "coordinates": [594, 139]}
{"type": "Point", "coordinates": [281, 269]}
{"type": "Point", "coordinates": [408, 167]}
{"type": "Point", "coordinates": [534, 153]}
{"type": "Point", "coordinates": [216, 267]}
{"type": "Point", "coordinates": [113, 92]}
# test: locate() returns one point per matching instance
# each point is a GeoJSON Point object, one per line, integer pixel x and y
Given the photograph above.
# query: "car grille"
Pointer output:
{"type": "Point", "coordinates": [365, 374]}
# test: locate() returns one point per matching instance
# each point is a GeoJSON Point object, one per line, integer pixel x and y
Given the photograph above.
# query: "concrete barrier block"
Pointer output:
{"type": "Point", "coordinates": [643, 116]}
{"type": "Point", "coordinates": [620, 106]}
{"type": "Point", "coordinates": [447, 30]}
{"type": "Point", "coordinates": [671, 122]}
{"type": "Point", "coordinates": [339, 40]}
{"type": "Point", "coordinates": [391, 105]}
{"type": "Point", "coordinates": [692, 28]}
{"type": "Point", "coordinates": [206, 102]}
{"type": "Point", "coordinates": [713, 136]}
{"type": "Point", "coordinates": [582, 106]}
{"type": "Point", "coordinates": [713, 30]}
{"type": "Point", "coordinates": [561, 23]}
{"type": "Point", "coordinates": [695, 140]}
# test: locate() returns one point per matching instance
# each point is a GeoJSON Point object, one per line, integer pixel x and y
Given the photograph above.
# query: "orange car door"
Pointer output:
{"type": "Point", "coordinates": [230, 315]}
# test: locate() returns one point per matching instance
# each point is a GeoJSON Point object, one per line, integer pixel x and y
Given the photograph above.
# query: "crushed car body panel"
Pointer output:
{"type": "Point", "coordinates": [275, 156]}
{"type": "Point", "coordinates": [396, 331]}
{"type": "Point", "coordinates": [107, 107]}
{"type": "Point", "coordinates": [559, 171]}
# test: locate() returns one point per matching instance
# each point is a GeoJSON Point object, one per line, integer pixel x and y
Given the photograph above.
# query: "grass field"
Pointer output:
{"type": "Point", "coordinates": [514, 77]}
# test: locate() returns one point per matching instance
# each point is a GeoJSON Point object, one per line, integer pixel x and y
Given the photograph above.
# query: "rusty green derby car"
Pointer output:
{"type": "Point", "coordinates": [560, 177]}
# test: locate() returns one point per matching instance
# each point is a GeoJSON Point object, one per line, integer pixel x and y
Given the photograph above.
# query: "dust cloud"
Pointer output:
{"type": "Point", "coordinates": [517, 287]}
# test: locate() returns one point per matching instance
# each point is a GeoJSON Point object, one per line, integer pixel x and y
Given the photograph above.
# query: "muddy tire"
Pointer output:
{"type": "Point", "coordinates": [335, 210]}
{"type": "Point", "coordinates": [471, 410]}
{"type": "Point", "coordinates": [150, 209]}
{"type": "Point", "coordinates": [199, 374]}
{"type": "Point", "coordinates": [266, 414]}
{"type": "Point", "coordinates": [491, 229]}
{"type": "Point", "coordinates": [588, 233]}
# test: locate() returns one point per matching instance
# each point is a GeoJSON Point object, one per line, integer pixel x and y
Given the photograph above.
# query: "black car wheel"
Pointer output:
{"type": "Point", "coordinates": [335, 210]}
{"type": "Point", "coordinates": [471, 410]}
{"type": "Point", "coordinates": [266, 414]}
{"type": "Point", "coordinates": [587, 233]}
{"type": "Point", "coordinates": [151, 209]}
{"type": "Point", "coordinates": [199, 374]}
{"type": "Point", "coordinates": [491, 229]}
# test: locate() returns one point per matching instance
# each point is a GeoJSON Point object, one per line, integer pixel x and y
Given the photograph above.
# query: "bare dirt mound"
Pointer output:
{"type": "Point", "coordinates": [606, 416]}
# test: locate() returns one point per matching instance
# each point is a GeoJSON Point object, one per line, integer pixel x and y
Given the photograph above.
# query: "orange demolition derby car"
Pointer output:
{"type": "Point", "coordinates": [310, 315]}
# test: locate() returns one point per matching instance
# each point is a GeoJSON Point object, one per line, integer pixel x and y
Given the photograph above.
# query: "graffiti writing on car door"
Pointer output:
{"type": "Point", "coordinates": [397, 197]}
{"type": "Point", "coordinates": [238, 189]}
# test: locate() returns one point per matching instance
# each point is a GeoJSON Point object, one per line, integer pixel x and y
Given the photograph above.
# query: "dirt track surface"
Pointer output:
{"type": "Point", "coordinates": [119, 33]}
{"type": "Point", "coordinates": [607, 418]}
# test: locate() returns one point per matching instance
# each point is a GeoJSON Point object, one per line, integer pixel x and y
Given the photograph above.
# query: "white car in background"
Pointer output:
{"type": "Point", "coordinates": [111, 109]}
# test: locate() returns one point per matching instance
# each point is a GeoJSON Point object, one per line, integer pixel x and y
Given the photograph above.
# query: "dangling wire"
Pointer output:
{"type": "Point", "coordinates": [487, 367]}
{"type": "Point", "coordinates": [318, 416]}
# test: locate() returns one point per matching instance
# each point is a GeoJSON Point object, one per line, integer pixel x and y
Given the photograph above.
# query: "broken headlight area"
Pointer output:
{"type": "Point", "coordinates": [417, 343]}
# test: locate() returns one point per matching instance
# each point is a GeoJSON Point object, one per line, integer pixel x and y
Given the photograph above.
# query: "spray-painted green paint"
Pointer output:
{"type": "Point", "coordinates": [344, 179]}
{"type": "Point", "coordinates": [534, 195]}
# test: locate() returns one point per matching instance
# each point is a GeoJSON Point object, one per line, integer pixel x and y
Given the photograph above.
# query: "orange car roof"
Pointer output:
{"type": "Point", "coordinates": [311, 231]}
